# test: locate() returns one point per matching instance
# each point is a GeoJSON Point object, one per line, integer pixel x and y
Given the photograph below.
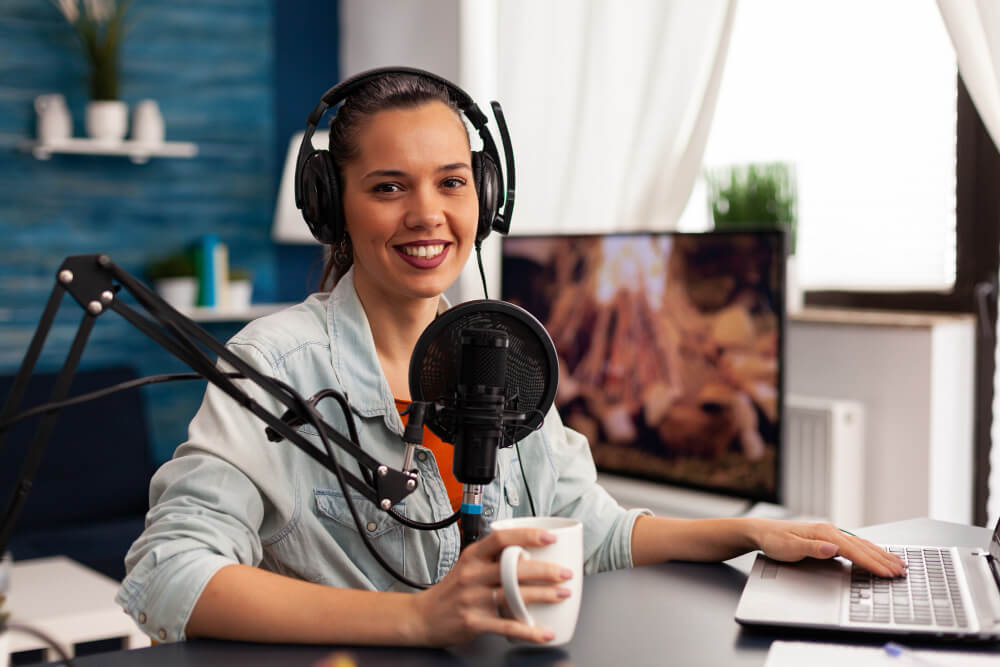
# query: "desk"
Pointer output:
{"type": "Point", "coordinates": [69, 602]}
{"type": "Point", "coordinates": [673, 613]}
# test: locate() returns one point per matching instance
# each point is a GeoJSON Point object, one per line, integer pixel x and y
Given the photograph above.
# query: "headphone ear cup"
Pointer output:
{"type": "Point", "coordinates": [321, 205]}
{"type": "Point", "coordinates": [487, 178]}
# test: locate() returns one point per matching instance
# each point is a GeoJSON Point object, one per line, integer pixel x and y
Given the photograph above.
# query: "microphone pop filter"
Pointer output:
{"type": "Point", "coordinates": [532, 370]}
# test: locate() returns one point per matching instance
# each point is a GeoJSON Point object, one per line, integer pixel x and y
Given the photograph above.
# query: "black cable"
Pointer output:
{"type": "Point", "coordinates": [352, 430]}
{"type": "Point", "coordinates": [17, 627]}
{"type": "Point", "coordinates": [437, 525]}
{"type": "Point", "coordinates": [524, 478]}
{"type": "Point", "coordinates": [482, 272]}
{"type": "Point", "coordinates": [315, 419]}
{"type": "Point", "coordinates": [443, 523]}
{"type": "Point", "coordinates": [100, 393]}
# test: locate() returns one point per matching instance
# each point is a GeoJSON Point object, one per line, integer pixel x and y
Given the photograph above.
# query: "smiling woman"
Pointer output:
{"type": "Point", "coordinates": [244, 540]}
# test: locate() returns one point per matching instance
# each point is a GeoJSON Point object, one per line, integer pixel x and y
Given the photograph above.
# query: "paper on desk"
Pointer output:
{"type": "Point", "coordinates": [815, 654]}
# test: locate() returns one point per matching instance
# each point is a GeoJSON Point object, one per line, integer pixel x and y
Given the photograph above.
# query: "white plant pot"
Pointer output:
{"type": "Point", "coordinates": [240, 292]}
{"type": "Point", "coordinates": [181, 293]}
{"type": "Point", "coordinates": [106, 120]}
{"type": "Point", "coordinates": [794, 298]}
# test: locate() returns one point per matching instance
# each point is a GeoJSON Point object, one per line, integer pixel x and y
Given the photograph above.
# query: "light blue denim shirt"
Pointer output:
{"type": "Point", "coordinates": [231, 496]}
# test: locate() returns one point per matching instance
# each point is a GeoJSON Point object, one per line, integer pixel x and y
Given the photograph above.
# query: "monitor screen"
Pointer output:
{"type": "Point", "coordinates": [670, 349]}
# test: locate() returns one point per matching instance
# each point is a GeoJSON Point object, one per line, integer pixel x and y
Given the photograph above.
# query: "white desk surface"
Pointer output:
{"type": "Point", "coordinates": [69, 602]}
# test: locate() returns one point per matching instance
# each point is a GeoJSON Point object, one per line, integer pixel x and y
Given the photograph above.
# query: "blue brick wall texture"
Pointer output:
{"type": "Point", "coordinates": [210, 66]}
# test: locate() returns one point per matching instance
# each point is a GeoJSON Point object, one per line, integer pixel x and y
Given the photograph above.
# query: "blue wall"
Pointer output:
{"type": "Point", "coordinates": [306, 64]}
{"type": "Point", "coordinates": [211, 65]}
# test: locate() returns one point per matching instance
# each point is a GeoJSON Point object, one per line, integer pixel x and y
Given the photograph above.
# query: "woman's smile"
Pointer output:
{"type": "Point", "coordinates": [424, 254]}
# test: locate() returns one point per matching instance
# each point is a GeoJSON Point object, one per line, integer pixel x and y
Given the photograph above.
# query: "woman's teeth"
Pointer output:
{"type": "Point", "coordinates": [425, 251]}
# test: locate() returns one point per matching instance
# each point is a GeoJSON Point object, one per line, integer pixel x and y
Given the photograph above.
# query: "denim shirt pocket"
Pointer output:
{"type": "Point", "coordinates": [506, 487]}
{"type": "Point", "coordinates": [384, 532]}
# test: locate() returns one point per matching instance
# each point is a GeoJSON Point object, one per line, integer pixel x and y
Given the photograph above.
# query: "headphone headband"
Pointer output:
{"type": "Point", "coordinates": [343, 90]}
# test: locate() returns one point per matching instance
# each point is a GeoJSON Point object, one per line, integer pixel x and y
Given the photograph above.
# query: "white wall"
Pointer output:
{"type": "Point", "coordinates": [914, 376]}
{"type": "Point", "coordinates": [379, 33]}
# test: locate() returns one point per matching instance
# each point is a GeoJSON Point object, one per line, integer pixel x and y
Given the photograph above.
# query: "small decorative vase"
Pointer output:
{"type": "Point", "coordinates": [240, 293]}
{"type": "Point", "coordinates": [147, 123]}
{"type": "Point", "coordinates": [181, 293]}
{"type": "Point", "coordinates": [54, 121]}
{"type": "Point", "coordinates": [106, 120]}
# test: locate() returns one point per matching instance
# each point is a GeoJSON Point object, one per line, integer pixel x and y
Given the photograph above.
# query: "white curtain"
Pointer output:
{"type": "Point", "coordinates": [609, 106]}
{"type": "Point", "coordinates": [974, 26]}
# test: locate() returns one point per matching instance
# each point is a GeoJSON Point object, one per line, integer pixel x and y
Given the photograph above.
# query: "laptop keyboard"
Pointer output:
{"type": "Point", "coordinates": [927, 595]}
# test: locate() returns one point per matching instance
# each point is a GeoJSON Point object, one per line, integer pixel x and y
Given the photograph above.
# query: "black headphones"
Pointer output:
{"type": "Point", "coordinates": [317, 192]}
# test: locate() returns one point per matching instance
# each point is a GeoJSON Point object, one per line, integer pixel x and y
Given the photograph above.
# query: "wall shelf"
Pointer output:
{"type": "Point", "coordinates": [201, 314]}
{"type": "Point", "coordinates": [137, 151]}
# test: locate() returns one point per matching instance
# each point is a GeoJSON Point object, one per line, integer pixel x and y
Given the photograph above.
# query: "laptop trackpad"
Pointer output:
{"type": "Point", "coordinates": [806, 593]}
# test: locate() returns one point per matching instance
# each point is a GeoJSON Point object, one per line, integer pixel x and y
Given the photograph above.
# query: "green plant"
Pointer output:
{"type": "Point", "coordinates": [754, 195]}
{"type": "Point", "coordinates": [100, 28]}
{"type": "Point", "coordinates": [176, 265]}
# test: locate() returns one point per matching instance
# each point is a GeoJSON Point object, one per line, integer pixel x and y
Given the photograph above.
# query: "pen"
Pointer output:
{"type": "Point", "coordinates": [899, 651]}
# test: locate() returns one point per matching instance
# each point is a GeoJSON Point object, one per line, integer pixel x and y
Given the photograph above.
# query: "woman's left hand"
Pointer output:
{"type": "Point", "coordinates": [795, 540]}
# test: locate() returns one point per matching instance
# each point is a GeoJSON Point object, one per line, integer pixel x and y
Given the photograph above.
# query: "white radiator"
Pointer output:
{"type": "Point", "coordinates": [823, 459]}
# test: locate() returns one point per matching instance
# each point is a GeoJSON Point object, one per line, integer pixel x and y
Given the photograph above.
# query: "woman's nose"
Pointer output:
{"type": "Point", "coordinates": [426, 208]}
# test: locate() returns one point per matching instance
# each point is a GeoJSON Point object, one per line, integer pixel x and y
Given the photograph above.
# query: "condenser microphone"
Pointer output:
{"type": "Point", "coordinates": [480, 404]}
{"type": "Point", "coordinates": [489, 368]}
{"type": "Point", "coordinates": [479, 417]}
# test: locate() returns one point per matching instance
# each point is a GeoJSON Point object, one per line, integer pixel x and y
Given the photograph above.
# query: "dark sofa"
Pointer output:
{"type": "Point", "coordinates": [91, 493]}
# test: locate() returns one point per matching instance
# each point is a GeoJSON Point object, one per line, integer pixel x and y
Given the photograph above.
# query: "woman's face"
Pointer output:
{"type": "Point", "coordinates": [410, 202]}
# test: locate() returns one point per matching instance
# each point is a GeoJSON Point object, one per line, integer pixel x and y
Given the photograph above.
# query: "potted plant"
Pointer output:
{"type": "Point", "coordinates": [100, 28]}
{"type": "Point", "coordinates": [240, 289]}
{"type": "Point", "coordinates": [759, 195]}
{"type": "Point", "coordinates": [174, 278]}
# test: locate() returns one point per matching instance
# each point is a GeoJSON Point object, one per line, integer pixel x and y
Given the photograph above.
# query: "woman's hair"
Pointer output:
{"type": "Point", "coordinates": [389, 91]}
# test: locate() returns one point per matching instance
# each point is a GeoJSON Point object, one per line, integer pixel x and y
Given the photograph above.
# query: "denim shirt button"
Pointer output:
{"type": "Point", "coordinates": [421, 456]}
{"type": "Point", "coordinates": [488, 511]}
{"type": "Point", "coordinates": [162, 634]}
{"type": "Point", "coordinates": [142, 618]}
{"type": "Point", "coordinates": [371, 526]}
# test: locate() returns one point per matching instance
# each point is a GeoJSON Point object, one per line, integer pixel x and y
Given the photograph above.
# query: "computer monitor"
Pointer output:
{"type": "Point", "coordinates": [670, 349]}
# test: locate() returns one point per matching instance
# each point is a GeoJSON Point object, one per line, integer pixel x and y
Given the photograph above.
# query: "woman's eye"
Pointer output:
{"type": "Point", "coordinates": [453, 182]}
{"type": "Point", "coordinates": [386, 188]}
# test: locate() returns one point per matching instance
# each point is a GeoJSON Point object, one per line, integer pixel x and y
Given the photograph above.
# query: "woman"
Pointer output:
{"type": "Point", "coordinates": [250, 540]}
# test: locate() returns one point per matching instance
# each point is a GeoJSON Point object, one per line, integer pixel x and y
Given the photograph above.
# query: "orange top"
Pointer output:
{"type": "Point", "coordinates": [444, 454]}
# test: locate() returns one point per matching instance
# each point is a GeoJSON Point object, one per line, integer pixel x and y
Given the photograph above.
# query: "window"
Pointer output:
{"type": "Point", "coordinates": [861, 97]}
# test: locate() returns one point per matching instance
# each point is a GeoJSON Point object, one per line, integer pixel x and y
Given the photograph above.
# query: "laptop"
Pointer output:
{"type": "Point", "coordinates": [948, 592]}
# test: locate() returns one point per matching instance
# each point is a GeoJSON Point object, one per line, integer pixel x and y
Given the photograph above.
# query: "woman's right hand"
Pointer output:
{"type": "Point", "coordinates": [464, 604]}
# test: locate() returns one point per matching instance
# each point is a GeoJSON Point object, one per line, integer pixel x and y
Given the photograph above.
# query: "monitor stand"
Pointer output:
{"type": "Point", "coordinates": [668, 500]}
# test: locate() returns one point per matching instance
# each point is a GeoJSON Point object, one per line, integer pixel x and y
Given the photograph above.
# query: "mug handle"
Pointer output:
{"type": "Point", "coordinates": [508, 577]}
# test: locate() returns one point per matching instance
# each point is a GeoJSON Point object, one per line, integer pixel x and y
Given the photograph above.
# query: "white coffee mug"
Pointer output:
{"type": "Point", "coordinates": [567, 551]}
